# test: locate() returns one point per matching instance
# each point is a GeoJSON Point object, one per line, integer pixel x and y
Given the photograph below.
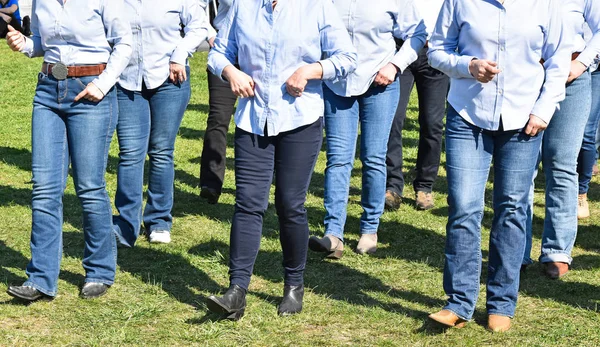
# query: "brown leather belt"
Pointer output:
{"type": "Point", "coordinates": [573, 57]}
{"type": "Point", "coordinates": [76, 70]}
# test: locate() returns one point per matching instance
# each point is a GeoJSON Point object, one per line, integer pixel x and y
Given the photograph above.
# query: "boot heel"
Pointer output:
{"type": "Point", "coordinates": [235, 316]}
{"type": "Point", "coordinates": [337, 254]}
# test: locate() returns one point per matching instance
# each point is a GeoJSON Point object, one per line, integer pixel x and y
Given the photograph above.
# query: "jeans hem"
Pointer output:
{"type": "Point", "coordinates": [556, 257]}
{"type": "Point", "coordinates": [463, 317]}
{"type": "Point", "coordinates": [158, 228]}
{"type": "Point", "coordinates": [240, 283]}
{"type": "Point", "coordinates": [97, 280]}
{"type": "Point", "coordinates": [500, 313]}
{"type": "Point", "coordinates": [368, 232]}
{"type": "Point", "coordinates": [51, 293]}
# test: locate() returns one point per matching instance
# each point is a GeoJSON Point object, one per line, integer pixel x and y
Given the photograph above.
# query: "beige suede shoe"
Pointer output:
{"type": "Point", "coordinates": [448, 318]}
{"type": "Point", "coordinates": [367, 244]}
{"type": "Point", "coordinates": [498, 324]}
{"type": "Point", "coordinates": [583, 208]}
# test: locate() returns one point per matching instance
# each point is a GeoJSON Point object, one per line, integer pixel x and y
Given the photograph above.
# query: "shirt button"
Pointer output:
{"type": "Point", "coordinates": [500, 92]}
{"type": "Point", "coordinates": [502, 48]}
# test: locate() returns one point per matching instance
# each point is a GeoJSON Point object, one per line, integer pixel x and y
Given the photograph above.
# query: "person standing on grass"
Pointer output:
{"type": "Point", "coordinates": [86, 46]}
{"type": "Point", "coordinates": [562, 145]}
{"type": "Point", "coordinates": [153, 93]}
{"type": "Point", "coordinates": [432, 88]}
{"type": "Point", "coordinates": [221, 102]}
{"type": "Point", "coordinates": [284, 49]}
{"type": "Point", "coordinates": [368, 97]}
{"type": "Point", "coordinates": [508, 61]}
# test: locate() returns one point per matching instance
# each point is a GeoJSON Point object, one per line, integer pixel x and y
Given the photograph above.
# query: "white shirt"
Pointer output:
{"type": "Point", "coordinates": [429, 10]}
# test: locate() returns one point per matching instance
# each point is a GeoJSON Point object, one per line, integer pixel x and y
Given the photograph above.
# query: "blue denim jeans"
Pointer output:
{"type": "Point", "coordinates": [148, 124]}
{"type": "Point", "coordinates": [587, 154]}
{"type": "Point", "coordinates": [375, 111]}
{"type": "Point", "coordinates": [80, 132]}
{"type": "Point", "coordinates": [469, 153]}
{"type": "Point", "coordinates": [560, 150]}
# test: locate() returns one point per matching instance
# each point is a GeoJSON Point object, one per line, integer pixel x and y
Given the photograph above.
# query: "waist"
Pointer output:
{"type": "Point", "coordinates": [61, 71]}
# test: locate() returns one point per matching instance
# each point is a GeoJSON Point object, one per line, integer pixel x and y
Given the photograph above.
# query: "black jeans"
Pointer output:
{"type": "Point", "coordinates": [221, 106]}
{"type": "Point", "coordinates": [432, 89]}
{"type": "Point", "coordinates": [4, 26]}
{"type": "Point", "coordinates": [292, 156]}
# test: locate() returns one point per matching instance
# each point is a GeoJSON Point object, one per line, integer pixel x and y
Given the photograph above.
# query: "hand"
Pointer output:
{"type": "Point", "coordinates": [5, 17]}
{"type": "Point", "coordinates": [577, 69]}
{"type": "Point", "coordinates": [177, 73]}
{"type": "Point", "coordinates": [297, 82]}
{"type": "Point", "coordinates": [387, 75]}
{"type": "Point", "coordinates": [211, 41]}
{"type": "Point", "coordinates": [90, 93]}
{"type": "Point", "coordinates": [15, 40]}
{"type": "Point", "coordinates": [241, 84]}
{"type": "Point", "coordinates": [535, 125]}
{"type": "Point", "coordinates": [483, 70]}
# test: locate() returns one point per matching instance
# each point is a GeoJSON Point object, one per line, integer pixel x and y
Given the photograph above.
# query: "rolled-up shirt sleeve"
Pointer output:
{"type": "Point", "coordinates": [33, 45]}
{"type": "Point", "coordinates": [409, 27]}
{"type": "Point", "coordinates": [195, 29]}
{"type": "Point", "coordinates": [556, 53]}
{"type": "Point", "coordinates": [224, 52]}
{"type": "Point", "coordinates": [592, 18]}
{"type": "Point", "coordinates": [338, 50]}
{"type": "Point", "coordinates": [444, 42]}
{"type": "Point", "coordinates": [118, 34]}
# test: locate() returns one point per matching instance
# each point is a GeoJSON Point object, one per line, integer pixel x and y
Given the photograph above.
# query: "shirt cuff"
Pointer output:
{"type": "Point", "coordinates": [179, 56]}
{"type": "Point", "coordinates": [586, 58]}
{"type": "Point", "coordinates": [463, 66]}
{"type": "Point", "coordinates": [400, 63]}
{"type": "Point", "coordinates": [103, 84]}
{"type": "Point", "coordinates": [544, 110]}
{"type": "Point", "coordinates": [28, 48]}
{"type": "Point", "coordinates": [328, 70]}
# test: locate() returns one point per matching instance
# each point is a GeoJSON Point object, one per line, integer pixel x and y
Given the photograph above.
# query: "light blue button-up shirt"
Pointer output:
{"type": "Point", "coordinates": [81, 32]}
{"type": "Point", "coordinates": [270, 45]}
{"type": "Point", "coordinates": [157, 39]}
{"type": "Point", "coordinates": [516, 35]}
{"type": "Point", "coordinates": [372, 25]}
{"type": "Point", "coordinates": [577, 14]}
{"type": "Point", "coordinates": [224, 6]}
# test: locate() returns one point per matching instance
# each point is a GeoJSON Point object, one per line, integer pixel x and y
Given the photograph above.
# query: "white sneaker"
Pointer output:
{"type": "Point", "coordinates": [160, 236]}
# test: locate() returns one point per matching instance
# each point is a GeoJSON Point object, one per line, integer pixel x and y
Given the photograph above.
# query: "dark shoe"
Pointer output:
{"type": "Point", "coordinates": [232, 303]}
{"type": "Point", "coordinates": [292, 300]}
{"type": "Point", "coordinates": [424, 200]}
{"type": "Point", "coordinates": [26, 293]}
{"type": "Point", "coordinates": [392, 200]}
{"type": "Point", "coordinates": [329, 244]}
{"type": "Point", "coordinates": [211, 195]}
{"type": "Point", "coordinates": [556, 270]}
{"type": "Point", "coordinates": [92, 290]}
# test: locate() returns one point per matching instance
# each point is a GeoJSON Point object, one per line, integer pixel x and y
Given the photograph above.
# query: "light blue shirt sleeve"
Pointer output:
{"type": "Point", "coordinates": [33, 45]}
{"type": "Point", "coordinates": [592, 17]}
{"type": "Point", "coordinates": [336, 45]}
{"type": "Point", "coordinates": [410, 28]}
{"type": "Point", "coordinates": [224, 52]}
{"type": "Point", "coordinates": [195, 29]}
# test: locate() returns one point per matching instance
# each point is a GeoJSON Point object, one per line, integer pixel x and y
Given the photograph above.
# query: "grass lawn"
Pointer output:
{"type": "Point", "coordinates": [159, 294]}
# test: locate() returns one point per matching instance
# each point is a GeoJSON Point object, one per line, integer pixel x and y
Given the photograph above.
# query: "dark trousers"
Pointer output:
{"type": "Point", "coordinates": [292, 156]}
{"type": "Point", "coordinates": [432, 89]}
{"type": "Point", "coordinates": [221, 102]}
{"type": "Point", "coordinates": [4, 26]}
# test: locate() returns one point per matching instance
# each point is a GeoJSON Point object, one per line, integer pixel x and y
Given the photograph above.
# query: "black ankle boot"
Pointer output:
{"type": "Point", "coordinates": [26, 293]}
{"type": "Point", "coordinates": [292, 300]}
{"type": "Point", "coordinates": [232, 303]}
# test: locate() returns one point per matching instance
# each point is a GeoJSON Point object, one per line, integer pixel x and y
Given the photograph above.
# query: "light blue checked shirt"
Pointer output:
{"type": "Point", "coordinates": [81, 32]}
{"type": "Point", "coordinates": [579, 16]}
{"type": "Point", "coordinates": [372, 25]}
{"type": "Point", "coordinates": [270, 45]}
{"type": "Point", "coordinates": [516, 35]}
{"type": "Point", "coordinates": [157, 38]}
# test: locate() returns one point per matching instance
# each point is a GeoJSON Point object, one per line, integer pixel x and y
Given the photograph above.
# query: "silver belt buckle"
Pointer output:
{"type": "Point", "coordinates": [60, 71]}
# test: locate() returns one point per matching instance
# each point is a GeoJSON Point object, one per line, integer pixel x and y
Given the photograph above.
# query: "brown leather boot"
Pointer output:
{"type": "Point", "coordinates": [556, 270]}
{"type": "Point", "coordinates": [498, 324]}
{"type": "Point", "coordinates": [448, 318]}
{"type": "Point", "coordinates": [424, 200]}
{"type": "Point", "coordinates": [392, 200]}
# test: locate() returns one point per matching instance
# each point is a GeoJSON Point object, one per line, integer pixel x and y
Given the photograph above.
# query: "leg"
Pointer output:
{"type": "Point", "coordinates": [587, 154]}
{"type": "Point", "coordinates": [221, 106]}
{"type": "Point", "coordinates": [341, 128]}
{"type": "Point", "coordinates": [167, 106]}
{"type": "Point", "coordinates": [432, 88]}
{"type": "Point", "coordinates": [377, 108]}
{"type": "Point", "coordinates": [90, 127]}
{"type": "Point", "coordinates": [515, 159]}
{"type": "Point", "coordinates": [296, 153]}
{"type": "Point", "coordinates": [254, 162]}
{"type": "Point", "coordinates": [468, 158]}
{"type": "Point", "coordinates": [50, 166]}
{"type": "Point", "coordinates": [394, 159]}
{"type": "Point", "coordinates": [133, 131]}
{"type": "Point", "coordinates": [561, 144]}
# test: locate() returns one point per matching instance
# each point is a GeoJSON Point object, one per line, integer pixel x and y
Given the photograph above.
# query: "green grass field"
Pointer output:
{"type": "Point", "coordinates": [159, 294]}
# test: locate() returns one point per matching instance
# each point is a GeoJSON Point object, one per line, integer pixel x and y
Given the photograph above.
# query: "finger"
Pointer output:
{"type": "Point", "coordinates": [529, 129]}
{"type": "Point", "coordinates": [184, 74]}
{"type": "Point", "coordinates": [171, 76]}
{"type": "Point", "coordinates": [249, 92]}
{"type": "Point", "coordinates": [10, 28]}
{"type": "Point", "coordinates": [81, 95]}
{"type": "Point", "coordinates": [492, 63]}
{"type": "Point", "coordinates": [289, 89]}
{"type": "Point", "coordinates": [13, 34]}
